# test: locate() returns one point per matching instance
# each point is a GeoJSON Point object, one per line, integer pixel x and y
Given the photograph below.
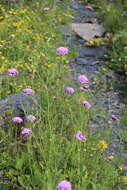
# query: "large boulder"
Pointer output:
{"type": "Point", "coordinates": [88, 31]}
{"type": "Point", "coordinates": [17, 105]}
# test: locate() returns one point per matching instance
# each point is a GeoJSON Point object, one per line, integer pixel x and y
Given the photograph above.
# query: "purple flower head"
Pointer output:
{"type": "Point", "coordinates": [46, 9]}
{"type": "Point", "coordinates": [26, 132]}
{"type": "Point", "coordinates": [89, 8]}
{"type": "Point", "coordinates": [30, 74]}
{"type": "Point", "coordinates": [114, 117]}
{"type": "Point", "coordinates": [31, 118]}
{"type": "Point", "coordinates": [82, 79]}
{"type": "Point", "coordinates": [69, 90]}
{"type": "Point", "coordinates": [13, 1]}
{"type": "Point", "coordinates": [42, 63]}
{"type": "Point", "coordinates": [79, 135]}
{"type": "Point", "coordinates": [28, 91]}
{"type": "Point", "coordinates": [12, 72]}
{"type": "Point", "coordinates": [86, 104]}
{"type": "Point", "coordinates": [64, 185]}
{"type": "Point", "coordinates": [62, 51]}
{"type": "Point", "coordinates": [85, 87]}
{"type": "Point", "coordinates": [17, 119]}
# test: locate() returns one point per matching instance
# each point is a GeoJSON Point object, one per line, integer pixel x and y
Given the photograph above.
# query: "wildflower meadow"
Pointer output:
{"type": "Point", "coordinates": [54, 146]}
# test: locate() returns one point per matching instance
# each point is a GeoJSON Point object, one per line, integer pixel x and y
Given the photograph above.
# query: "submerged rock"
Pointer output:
{"type": "Point", "coordinates": [17, 105]}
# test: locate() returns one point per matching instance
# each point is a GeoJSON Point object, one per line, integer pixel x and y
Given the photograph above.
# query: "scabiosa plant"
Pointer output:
{"type": "Point", "coordinates": [64, 185]}
{"type": "Point", "coordinates": [85, 87]}
{"type": "Point", "coordinates": [69, 90]}
{"type": "Point", "coordinates": [114, 117]}
{"type": "Point", "coordinates": [82, 79]}
{"type": "Point", "coordinates": [31, 118]}
{"type": "Point", "coordinates": [12, 72]}
{"type": "Point", "coordinates": [42, 63]}
{"type": "Point", "coordinates": [17, 119]}
{"type": "Point", "coordinates": [28, 91]}
{"type": "Point", "coordinates": [46, 9]}
{"type": "Point", "coordinates": [80, 136]}
{"type": "Point", "coordinates": [14, 1]}
{"type": "Point", "coordinates": [62, 51]}
{"type": "Point", "coordinates": [89, 8]}
{"type": "Point", "coordinates": [26, 132]}
{"type": "Point", "coordinates": [86, 104]}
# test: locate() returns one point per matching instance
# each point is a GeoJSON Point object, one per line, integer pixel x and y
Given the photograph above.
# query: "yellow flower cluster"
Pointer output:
{"type": "Point", "coordinates": [102, 144]}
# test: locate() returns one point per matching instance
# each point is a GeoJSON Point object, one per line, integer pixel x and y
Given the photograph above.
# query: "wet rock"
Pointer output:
{"type": "Point", "coordinates": [96, 52]}
{"type": "Point", "coordinates": [110, 75]}
{"type": "Point", "coordinates": [82, 14]}
{"type": "Point", "coordinates": [85, 61]}
{"type": "Point", "coordinates": [88, 31]}
{"type": "Point", "coordinates": [75, 5]}
{"type": "Point", "coordinates": [17, 105]}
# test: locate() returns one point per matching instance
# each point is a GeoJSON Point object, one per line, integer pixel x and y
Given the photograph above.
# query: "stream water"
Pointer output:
{"type": "Point", "coordinates": [103, 95]}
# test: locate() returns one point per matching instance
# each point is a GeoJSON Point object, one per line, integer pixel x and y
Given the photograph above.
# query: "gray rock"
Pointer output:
{"type": "Point", "coordinates": [96, 52]}
{"type": "Point", "coordinates": [85, 61]}
{"type": "Point", "coordinates": [17, 105]}
{"type": "Point", "coordinates": [88, 31]}
{"type": "Point", "coordinates": [74, 5]}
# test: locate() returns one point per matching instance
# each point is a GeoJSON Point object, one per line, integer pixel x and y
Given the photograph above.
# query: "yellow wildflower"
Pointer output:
{"type": "Point", "coordinates": [102, 144]}
{"type": "Point", "coordinates": [23, 11]}
{"type": "Point", "coordinates": [2, 23]}
{"type": "Point", "coordinates": [1, 17]}
{"type": "Point", "coordinates": [120, 168]}
{"type": "Point", "coordinates": [12, 12]}
{"type": "Point", "coordinates": [17, 24]}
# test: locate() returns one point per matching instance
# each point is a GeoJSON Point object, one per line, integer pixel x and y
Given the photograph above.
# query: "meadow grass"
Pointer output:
{"type": "Point", "coordinates": [51, 153]}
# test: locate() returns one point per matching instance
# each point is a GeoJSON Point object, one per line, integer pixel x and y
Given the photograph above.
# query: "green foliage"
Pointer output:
{"type": "Point", "coordinates": [118, 55]}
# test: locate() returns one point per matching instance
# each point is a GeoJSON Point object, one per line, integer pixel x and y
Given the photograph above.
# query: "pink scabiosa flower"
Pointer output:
{"type": "Point", "coordinates": [69, 90]}
{"type": "Point", "coordinates": [86, 104]}
{"type": "Point", "coordinates": [30, 74]}
{"type": "Point", "coordinates": [82, 79]}
{"type": "Point", "coordinates": [46, 9]}
{"type": "Point", "coordinates": [26, 132]}
{"type": "Point", "coordinates": [114, 117]}
{"type": "Point", "coordinates": [42, 63]}
{"type": "Point", "coordinates": [85, 87]}
{"type": "Point", "coordinates": [80, 136]}
{"type": "Point", "coordinates": [28, 91]}
{"type": "Point", "coordinates": [17, 119]}
{"type": "Point", "coordinates": [14, 1]}
{"type": "Point", "coordinates": [31, 118]}
{"type": "Point", "coordinates": [62, 51]}
{"type": "Point", "coordinates": [89, 8]}
{"type": "Point", "coordinates": [12, 72]}
{"type": "Point", "coordinates": [64, 185]}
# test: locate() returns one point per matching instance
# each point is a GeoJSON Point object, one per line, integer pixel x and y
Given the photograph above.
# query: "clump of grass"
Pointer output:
{"type": "Point", "coordinates": [114, 19]}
